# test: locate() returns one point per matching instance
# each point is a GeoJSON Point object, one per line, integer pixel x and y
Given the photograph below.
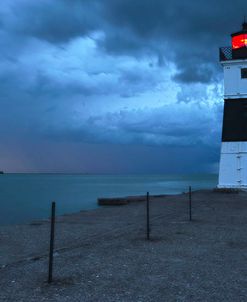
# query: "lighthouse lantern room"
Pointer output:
{"type": "Point", "coordinates": [233, 157]}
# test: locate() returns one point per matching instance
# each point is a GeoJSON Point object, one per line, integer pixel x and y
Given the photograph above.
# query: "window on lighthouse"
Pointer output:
{"type": "Point", "coordinates": [244, 73]}
{"type": "Point", "coordinates": [239, 41]}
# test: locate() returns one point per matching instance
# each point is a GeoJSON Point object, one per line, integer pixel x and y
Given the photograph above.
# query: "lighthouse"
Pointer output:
{"type": "Point", "coordinates": [233, 157]}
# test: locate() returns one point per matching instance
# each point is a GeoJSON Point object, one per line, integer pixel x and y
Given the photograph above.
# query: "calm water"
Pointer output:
{"type": "Point", "coordinates": [25, 197]}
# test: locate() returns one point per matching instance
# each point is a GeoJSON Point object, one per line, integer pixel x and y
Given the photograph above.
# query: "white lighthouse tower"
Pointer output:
{"type": "Point", "coordinates": [233, 157]}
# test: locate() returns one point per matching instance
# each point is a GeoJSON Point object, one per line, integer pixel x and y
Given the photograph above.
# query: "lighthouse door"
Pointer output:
{"type": "Point", "coordinates": [239, 170]}
{"type": "Point", "coordinates": [243, 168]}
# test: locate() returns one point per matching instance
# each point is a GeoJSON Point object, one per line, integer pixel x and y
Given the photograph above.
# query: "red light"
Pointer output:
{"type": "Point", "coordinates": [239, 41]}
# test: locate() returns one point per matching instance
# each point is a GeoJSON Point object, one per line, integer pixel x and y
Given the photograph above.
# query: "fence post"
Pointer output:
{"type": "Point", "coordinates": [53, 210]}
{"type": "Point", "coordinates": [190, 204]}
{"type": "Point", "coordinates": [147, 212]}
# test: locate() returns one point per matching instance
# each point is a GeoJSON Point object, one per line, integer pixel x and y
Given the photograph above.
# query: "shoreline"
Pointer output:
{"type": "Point", "coordinates": [74, 193]}
{"type": "Point", "coordinates": [104, 253]}
{"type": "Point", "coordinates": [128, 198]}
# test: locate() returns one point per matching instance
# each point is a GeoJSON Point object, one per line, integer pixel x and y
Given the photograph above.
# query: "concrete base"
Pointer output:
{"type": "Point", "coordinates": [231, 187]}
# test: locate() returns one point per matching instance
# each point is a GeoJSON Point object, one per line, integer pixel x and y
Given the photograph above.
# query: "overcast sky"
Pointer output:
{"type": "Point", "coordinates": [113, 86]}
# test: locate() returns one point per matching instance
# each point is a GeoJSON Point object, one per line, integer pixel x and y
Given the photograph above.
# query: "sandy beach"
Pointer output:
{"type": "Point", "coordinates": [103, 255]}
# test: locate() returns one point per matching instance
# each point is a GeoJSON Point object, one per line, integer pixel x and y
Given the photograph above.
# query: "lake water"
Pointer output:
{"type": "Point", "coordinates": [25, 197]}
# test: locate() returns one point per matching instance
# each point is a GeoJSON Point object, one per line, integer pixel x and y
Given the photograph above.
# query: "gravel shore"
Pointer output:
{"type": "Point", "coordinates": [102, 255]}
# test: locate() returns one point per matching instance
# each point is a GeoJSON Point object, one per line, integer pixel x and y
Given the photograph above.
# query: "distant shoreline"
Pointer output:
{"type": "Point", "coordinates": [110, 174]}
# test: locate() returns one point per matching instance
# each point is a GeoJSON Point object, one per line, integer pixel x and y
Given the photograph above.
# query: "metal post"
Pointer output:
{"type": "Point", "coordinates": [148, 226]}
{"type": "Point", "coordinates": [190, 212]}
{"type": "Point", "coordinates": [53, 209]}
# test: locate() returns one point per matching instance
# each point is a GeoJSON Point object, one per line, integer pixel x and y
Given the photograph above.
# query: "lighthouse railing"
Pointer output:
{"type": "Point", "coordinates": [226, 53]}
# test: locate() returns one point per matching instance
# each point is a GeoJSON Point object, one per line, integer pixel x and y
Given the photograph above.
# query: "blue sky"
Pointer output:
{"type": "Point", "coordinates": [113, 86]}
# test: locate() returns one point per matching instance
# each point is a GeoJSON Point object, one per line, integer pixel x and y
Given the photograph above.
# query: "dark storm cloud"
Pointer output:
{"type": "Point", "coordinates": [188, 33]}
{"type": "Point", "coordinates": [159, 127]}
{"type": "Point", "coordinates": [115, 71]}
{"type": "Point", "coordinates": [56, 21]}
